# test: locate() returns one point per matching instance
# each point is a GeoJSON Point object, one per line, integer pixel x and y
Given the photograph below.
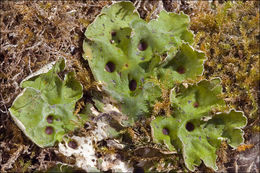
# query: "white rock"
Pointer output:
{"type": "Point", "coordinates": [85, 152]}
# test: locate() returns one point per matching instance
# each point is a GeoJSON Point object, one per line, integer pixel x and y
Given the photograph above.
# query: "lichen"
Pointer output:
{"type": "Point", "coordinates": [44, 110]}
{"type": "Point", "coordinates": [36, 33]}
{"type": "Point", "coordinates": [132, 59]}
{"type": "Point", "coordinates": [126, 54]}
{"type": "Point", "coordinates": [193, 130]}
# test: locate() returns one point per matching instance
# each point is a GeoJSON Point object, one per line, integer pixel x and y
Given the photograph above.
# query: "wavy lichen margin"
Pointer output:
{"type": "Point", "coordinates": [193, 130]}
{"type": "Point", "coordinates": [125, 53]}
{"type": "Point", "coordinates": [44, 109]}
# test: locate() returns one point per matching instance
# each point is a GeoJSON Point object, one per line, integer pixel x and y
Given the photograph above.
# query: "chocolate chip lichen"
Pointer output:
{"type": "Point", "coordinates": [190, 133]}
{"type": "Point", "coordinates": [146, 72]}
{"type": "Point", "coordinates": [45, 109]}
{"type": "Point", "coordinates": [135, 56]}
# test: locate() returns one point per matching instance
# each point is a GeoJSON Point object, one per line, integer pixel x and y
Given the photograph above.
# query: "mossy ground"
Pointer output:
{"type": "Point", "coordinates": [34, 34]}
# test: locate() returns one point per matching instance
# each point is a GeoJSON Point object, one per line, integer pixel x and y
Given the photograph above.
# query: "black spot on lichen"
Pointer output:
{"type": "Point", "coordinates": [50, 119]}
{"type": "Point", "coordinates": [181, 70]}
{"type": "Point", "coordinates": [132, 85]}
{"type": "Point", "coordinates": [196, 104]}
{"type": "Point", "coordinates": [165, 131]}
{"type": "Point", "coordinates": [189, 126]}
{"type": "Point", "coordinates": [49, 130]}
{"type": "Point", "coordinates": [110, 67]}
{"type": "Point", "coordinates": [73, 144]}
{"type": "Point", "coordinates": [142, 46]}
{"type": "Point", "coordinates": [113, 33]}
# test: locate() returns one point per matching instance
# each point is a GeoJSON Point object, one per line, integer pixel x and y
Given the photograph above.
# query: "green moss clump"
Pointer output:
{"type": "Point", "coordinates": [229, 35]}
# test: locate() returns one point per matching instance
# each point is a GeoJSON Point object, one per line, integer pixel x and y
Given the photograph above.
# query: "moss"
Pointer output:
{"type": "Point", "coordinates": [228, 35]}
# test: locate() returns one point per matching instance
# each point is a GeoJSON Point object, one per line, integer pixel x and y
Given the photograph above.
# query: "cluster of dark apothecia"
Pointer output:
{"type": "Point", "coordinates": [135, 61]}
